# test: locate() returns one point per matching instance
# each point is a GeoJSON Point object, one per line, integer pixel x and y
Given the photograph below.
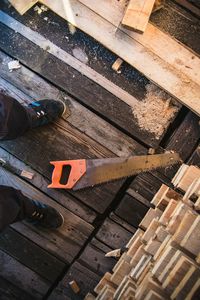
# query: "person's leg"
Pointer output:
{"type": "Point", "coordinates": [14, 207]}
{"type": "Point", "coordinates": [15, 118]}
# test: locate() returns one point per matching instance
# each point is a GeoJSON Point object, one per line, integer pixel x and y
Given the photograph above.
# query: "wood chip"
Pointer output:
{"type": "Point", "coordinates": [27, 174]}
{"type": "Point", "coordinates": [13, 65]}
{"type": "Point", "coordinates": [117, 64]}
{"type": "Point", "coordinates": [74, 286]}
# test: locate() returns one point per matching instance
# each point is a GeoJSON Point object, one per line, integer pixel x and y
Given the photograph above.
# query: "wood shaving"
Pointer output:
{"type": "Point", "coordinates": [13, 65]}
{"type": "Point", "coordinates": [156, 111]}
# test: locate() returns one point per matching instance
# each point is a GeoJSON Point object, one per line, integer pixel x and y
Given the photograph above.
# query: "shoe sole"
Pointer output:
{"type": "Point", "coordinates": [65, 107]}
{"type": "Point", "coordinates": [63, 221]}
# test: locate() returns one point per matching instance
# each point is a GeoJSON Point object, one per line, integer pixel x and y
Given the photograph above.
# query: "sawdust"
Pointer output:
{"type": "Point", "coordinates": [156, 111]}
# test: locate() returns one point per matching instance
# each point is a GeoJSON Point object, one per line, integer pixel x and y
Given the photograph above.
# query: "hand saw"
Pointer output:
{"type": "Point", "coordinates": [79, 174]}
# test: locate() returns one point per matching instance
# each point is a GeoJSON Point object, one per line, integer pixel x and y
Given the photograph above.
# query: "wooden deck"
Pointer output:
{"type": "Point", "coordinates": [39, 264]}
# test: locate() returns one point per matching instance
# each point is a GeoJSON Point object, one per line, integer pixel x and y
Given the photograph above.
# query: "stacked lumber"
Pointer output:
{"type": "Point", "coordinates": [162, 260]}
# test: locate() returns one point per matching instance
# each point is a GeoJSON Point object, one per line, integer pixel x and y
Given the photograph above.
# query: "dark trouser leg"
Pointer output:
{"type": "Point", "coordinates": [14, 206]}
{"type": "Point", "coordinates": [13, 118]}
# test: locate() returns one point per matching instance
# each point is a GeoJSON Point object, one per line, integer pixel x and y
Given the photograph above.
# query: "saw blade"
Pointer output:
{"type": "Point", "coordinates": [110, 169]}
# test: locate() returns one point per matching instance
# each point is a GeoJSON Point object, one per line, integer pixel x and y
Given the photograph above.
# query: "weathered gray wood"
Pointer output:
{"type": "Point", "coordinates": [86, 280]}
{"type": "Point", "coordinates": [49, 67]}
{"type": "Point", "coordinates": [131, 210]}
{"type": "Point", "coordinates": [146, 185]}
{"type": "Point", "coordinates": [69, 143]}
{"type": "Point", "coordinates": [94, 259]}
{"type": "Point", "coordinates": [9, 291]}
{"type": "Point", "coordinates": [31, 86]}
{"type": "Point", "coordinates": [184, 140]}
{"type": "Point", "coordinates": [195, 157]}
{"type": "Point", "coordinates": [30, 255]}
{"type": "Point", "coordinates": [64, 243]}
{"type": "Point", "coordinates": [19, 275]}
{"type": "Point", "coordinates": [113, 234]}
{"type": "Point", "coordinates": [40, 182]}
{"type": "Point", "coordinates": [38, 147]}
{"type": "Point", "coordinates": [122, 222]}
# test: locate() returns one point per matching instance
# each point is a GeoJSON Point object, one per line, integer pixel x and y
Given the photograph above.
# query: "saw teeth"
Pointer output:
{"type": "Point", "coordinates": [122, 178]}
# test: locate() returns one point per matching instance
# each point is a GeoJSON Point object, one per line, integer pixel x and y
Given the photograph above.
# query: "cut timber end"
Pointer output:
{"type": "Point", "coordinates": [137, 15]}
{"type": "Point", "coordinates": [117, 64]}
{"type": "Point", "coordinates": [74, 286]}
{"type": "Point", "coordinates": [22, 5]}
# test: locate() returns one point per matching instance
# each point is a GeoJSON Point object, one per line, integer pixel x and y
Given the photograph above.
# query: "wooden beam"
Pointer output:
{"type": "Point", "coordinates": [22, 5]}
{"type": "Point", "coordinates": [172, 60]}
{"type": "Point", "coordinates": [137, 14]}
{"type": "Point", "coordinates": [158, 56]}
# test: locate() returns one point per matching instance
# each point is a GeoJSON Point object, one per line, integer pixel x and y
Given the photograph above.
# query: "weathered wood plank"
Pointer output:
{"type": "Point", "coordinates": [30, 255]}
{"type": "Point", "coordinates": [9, 291]}
{"type": "Point", "coordinates": [153, 39]}
{"type": "Point", "coordinates": [184, 140]}
{"type": "Point", "coordinates": [170, 71]}
{"type": "Point", "coordinates": [22, 5]}
{"type": "Point", "coordinates": [113, 234]}
{"type": "Point", "coordinates": [94, 259]}
{"type": "Point", "coordinates": [137, 15]}
{"type": "Point", "coordinates": [35, 87]}
{"type": "Point", "coordinates": [19, 275]}
{"type": "Point", "coordinates": [74, 144]}
{"type": "Point", "coordinates": [86, 280]}
{"type": "Point", "coordinates": [107, 105]}
{"type": "Point", "coordinates": [71, 146]}
{"type": "Point", "coordinates": [41, 183]}
{"type": "Point", "coordinates": [146, 185]}
{"type": "Point", "coordinates": [131, 210]}
{"type": "Point", "coordinates": [64, 243]}
{"type": "Point", "coordinates": [122, 222]}
{"type": "Point", "coordinates": [195, 158]}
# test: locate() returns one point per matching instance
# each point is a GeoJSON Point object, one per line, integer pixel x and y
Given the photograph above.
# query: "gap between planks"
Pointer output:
{"type": "Point", "coordinates": [179, 82]}
{"type": "Point", "coordinates": [51, 48]}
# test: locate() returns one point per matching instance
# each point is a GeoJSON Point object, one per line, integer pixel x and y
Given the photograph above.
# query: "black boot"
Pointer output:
{"type": "Point", "coordinates": [43, 112]}
{"type": "Point", "coordinates": [45, 216]}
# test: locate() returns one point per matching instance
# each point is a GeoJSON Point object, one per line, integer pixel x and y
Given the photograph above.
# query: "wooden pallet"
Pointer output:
{"type": "Point", "coordinates": [161, 262]}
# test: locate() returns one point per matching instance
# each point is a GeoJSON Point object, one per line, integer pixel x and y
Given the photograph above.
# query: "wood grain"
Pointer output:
{"type": "Point", "coordinates": [137, 14]}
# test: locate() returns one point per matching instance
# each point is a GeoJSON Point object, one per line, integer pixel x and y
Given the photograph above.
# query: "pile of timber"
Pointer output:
{"type": "Point", "coordinates": [162, 260]}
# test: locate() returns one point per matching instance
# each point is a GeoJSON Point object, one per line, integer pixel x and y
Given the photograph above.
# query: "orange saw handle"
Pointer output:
{"type": "Point", "coordinates": [78, 169]}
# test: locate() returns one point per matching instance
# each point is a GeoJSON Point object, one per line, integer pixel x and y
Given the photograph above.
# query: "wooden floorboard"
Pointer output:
{"type": "Point", "coordinates": [73, 144]}
{"type": "Point", "coordinates": [99, 219]}
{"type": "Point", "coordinates": [153, 67]}
{"type": "Point", "coordinates": [86, 280]}
{"type": "Point", "coordinates": [65, 243]}
{"type": "Point", "coordinates": [146, 185]}
{"type": "Point", "coordinates": [41, 183]}
{"type": "Point", "coordinates": [131, 210]}
{"type": "Point", "coordinates": [19, 275]}
{"type": "Point", "coordinates": [184, 140]}
{"type": "Point", "coordinates": [113, 235]}
{"type": "Point", "coordinates": [29, 85]}
{"type": "Point", "coordinates": [9, 291]}
{"type": "Point", "coordinates": [82, 88]}
{"type": "Point", "coordinates": [97, 263]}
{"type": "Point", "coordinates": [22, 249]}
